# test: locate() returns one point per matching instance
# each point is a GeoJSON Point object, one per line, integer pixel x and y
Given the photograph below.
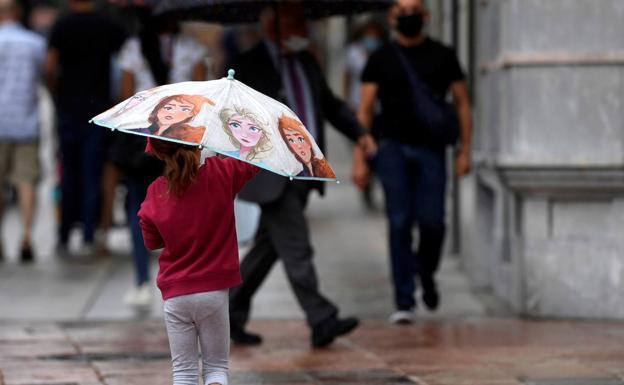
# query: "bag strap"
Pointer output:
{"type": "Point", "coordinates": [412, 76]}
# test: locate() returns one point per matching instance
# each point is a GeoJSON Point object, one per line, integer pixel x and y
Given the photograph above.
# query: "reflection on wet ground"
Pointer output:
{"type": "Point", "coordinates": [475, 351]}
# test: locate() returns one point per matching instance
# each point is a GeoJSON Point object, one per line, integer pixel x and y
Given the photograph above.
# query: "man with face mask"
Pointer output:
{"type": "Point", "coordinates": [411, 160]}
{"type": "Point", "coordinates": [281, 67]}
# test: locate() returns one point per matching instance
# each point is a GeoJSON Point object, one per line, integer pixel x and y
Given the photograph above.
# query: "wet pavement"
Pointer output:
{"type": "Point", "coordinates": [63, 322]}
{"type": "Point", "coordinates": [476, 351]}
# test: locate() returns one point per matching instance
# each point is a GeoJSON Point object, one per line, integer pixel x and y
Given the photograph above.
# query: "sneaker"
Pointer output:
{"type": "Point", "coordinates": [402, 317]}
{"type": "Point", "coordinates": [140, 296]}
{"type": "Point", "coordinates": [325, 333]}
{"type": "Point", "coordinates": [241, 337]}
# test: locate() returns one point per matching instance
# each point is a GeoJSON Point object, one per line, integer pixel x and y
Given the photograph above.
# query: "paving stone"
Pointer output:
{"type": "Point", "coordinates": [36, 348]}
{"type": "Point", "coordinates": [24, 331]}
{"type": "Point", "coordinates": [574, 381]}
{"type": "Point", "coordinates": [31, 372]}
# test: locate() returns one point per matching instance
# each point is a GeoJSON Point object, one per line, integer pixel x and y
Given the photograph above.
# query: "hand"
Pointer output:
{"type": "Point", "coordinates": [462, 163]}
{"type": "Point", "coordinates": [360, 174]}
{"type": "Point", "coordinates": [368, 144]}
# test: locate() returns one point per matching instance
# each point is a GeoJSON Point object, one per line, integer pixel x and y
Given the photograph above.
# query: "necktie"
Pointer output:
{"type": "Point", "coordinates": [297, 88]}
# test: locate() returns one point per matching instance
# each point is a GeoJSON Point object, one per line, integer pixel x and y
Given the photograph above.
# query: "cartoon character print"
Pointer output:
{"type": "Point", "coordinates": [171, 115]}
{"type": "Point", "coordinates": [247, 132]}
{"type": "Point", "coordinates": [298, 141]}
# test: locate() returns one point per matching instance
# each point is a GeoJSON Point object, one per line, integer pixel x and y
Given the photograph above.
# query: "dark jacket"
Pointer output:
{"type": "Point", "coordinates": [255, 68]}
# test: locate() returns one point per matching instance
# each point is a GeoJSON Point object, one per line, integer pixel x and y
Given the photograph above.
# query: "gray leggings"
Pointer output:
{"type": "Point", "coordinates": [202, 316]}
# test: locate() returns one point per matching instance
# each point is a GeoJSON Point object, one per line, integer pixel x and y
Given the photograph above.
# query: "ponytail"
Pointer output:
{"type": "Point", "coordinates": [181, 164]}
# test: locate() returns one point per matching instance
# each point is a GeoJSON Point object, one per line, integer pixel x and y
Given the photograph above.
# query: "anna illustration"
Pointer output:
{"type": "Point", "coordinates": [170, 117]}
{"type": "Point", "coordinates": [246, 131]}
{"type": "Point", "coordinates": [299, 143]}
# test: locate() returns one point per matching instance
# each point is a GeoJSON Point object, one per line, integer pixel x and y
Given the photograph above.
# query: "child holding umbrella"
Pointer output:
{"type": "Point", "coordinates": [189, 212]}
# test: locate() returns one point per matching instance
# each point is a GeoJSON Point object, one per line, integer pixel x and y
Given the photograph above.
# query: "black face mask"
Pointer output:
{"type": "Point", "coordinates": [410, 25]}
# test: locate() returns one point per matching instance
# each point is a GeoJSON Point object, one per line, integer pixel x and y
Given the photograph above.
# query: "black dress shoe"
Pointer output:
{"type": "Point", "coordinates": [241, 337]}
{"type": "Point", "coordinates": [26, 255]}
{"type": "Point", "coordinates": [430, 295]}
{"type": "Point", "coordinates": [325, 333]}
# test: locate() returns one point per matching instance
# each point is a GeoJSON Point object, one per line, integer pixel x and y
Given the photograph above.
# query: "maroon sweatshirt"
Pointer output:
{"type": "Point", "coordinates": [197, 229]}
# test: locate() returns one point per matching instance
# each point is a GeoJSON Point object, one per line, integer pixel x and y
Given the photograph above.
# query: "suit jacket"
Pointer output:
{"type": "Point", "coordinates": [256, 69]}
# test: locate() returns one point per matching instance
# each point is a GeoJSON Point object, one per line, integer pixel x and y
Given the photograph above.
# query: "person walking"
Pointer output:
{"type": "Point", "coordinates": [189, 213]}
{"type": "Point", "coordinates": [78, 69]}
{"type": "Point", "coordinates": [283, 69]}
{"type": "Point", "coordinates": [22, 56]}
{"type": "Point", "coordinates": [368, 36]}
{"type": "Point", "coordinates": [411, 160]}
{"type": "Point", "coordinates": [145, 64]}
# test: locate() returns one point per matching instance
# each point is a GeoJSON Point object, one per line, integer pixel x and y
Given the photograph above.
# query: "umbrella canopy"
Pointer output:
{"type": "Point", "coordinates": [246, 11]}
{"type": "Point", "coordinates": [227, 117]}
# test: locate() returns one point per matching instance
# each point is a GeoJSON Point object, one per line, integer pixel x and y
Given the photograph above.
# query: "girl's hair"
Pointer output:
{"type": "Point", "coordinates": [195, 100]}
{"type": "Point", "coordinates": [292, 124]}
{"type": "Point", "coordinates": [181, 164]}
{"type": "Point", "coordinates": [263, 145]}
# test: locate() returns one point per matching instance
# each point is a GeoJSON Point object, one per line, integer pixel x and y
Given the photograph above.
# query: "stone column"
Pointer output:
{"type": "Point", "coordinates": [543, 214]}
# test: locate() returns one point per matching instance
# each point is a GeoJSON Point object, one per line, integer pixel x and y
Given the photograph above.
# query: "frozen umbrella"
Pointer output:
{"type": "Point", "coordinates": [227, 117]}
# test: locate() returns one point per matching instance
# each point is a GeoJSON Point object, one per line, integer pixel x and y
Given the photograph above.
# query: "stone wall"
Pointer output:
{"type": "Point", "coordinates": [543, 214]}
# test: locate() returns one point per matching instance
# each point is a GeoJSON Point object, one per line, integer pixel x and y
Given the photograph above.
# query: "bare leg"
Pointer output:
{"type": "Point", "coordinates": [110, 179]}
{"type": "Point", "coordinates": [26, 197]}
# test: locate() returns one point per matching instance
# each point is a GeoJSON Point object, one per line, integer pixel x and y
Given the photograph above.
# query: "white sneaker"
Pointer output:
{"type": "Point", "coordinates": [140, 296]}
{"type": "Point", "coordinates": [402, 317]}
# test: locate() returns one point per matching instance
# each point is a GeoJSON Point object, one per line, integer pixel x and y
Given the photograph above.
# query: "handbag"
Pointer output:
{"type": "Point", "coordinates": [434, 114]}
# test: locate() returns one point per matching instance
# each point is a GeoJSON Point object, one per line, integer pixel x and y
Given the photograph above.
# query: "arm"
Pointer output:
{"type": "Point", "coordinates": [127, 84]}
{"type": "Point", "coordinates": [360, 173]}
{"type": "Point", "coordinates": [151, 237]}
{"type": "Point", "coordinates": [462, 104]}
{"type": "Point", "coordinates": [240, 172]}
{"type": "Point", "coordinates": [51, 68]}
{"type": "Point", "coordinates": [199, 71]}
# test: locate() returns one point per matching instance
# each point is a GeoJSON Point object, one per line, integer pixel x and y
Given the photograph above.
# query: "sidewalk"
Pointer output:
{"type": "Point", "coordinates": [436, 352]}
{"type": "Point", "coordinates": [64, 323]}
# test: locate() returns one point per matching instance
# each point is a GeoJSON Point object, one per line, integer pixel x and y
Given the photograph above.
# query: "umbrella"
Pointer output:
{"type": "Point", "coordinates": [227, 117]}
{"type": "Point", "coordinates": [246, 11]}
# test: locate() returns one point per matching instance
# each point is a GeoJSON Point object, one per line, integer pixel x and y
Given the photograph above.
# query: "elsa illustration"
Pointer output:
{"type": "Point", "coordinates": [171, 115]}
{"type": "Point", "coordinates": [247, 132]}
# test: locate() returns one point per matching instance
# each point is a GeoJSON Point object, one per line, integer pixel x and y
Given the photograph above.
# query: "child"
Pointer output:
{"type": "Point", "coordinates": [190, 214]}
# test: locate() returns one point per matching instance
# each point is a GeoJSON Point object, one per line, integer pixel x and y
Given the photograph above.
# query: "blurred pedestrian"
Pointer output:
{"type": "Point", "coordinates": [190, 214]}
{"type": "Point", "coordinates": [368, 36]}
{"type": "Point", "coordinates": [159, 55]}
{"type": "Point", "coordinates": [22, 55]}
{"type": "Point", "coordinates": [78, 67]}
{"type": "Point", "coordinates": [405, 75]}
{"type": "Point", "coordinates": [281, 67]}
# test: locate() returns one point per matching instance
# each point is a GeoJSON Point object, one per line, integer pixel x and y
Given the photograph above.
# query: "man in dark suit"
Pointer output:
{"type": "Point", "coordinates": [283, 69]}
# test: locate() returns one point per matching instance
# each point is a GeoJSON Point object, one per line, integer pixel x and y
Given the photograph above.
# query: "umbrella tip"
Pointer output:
{"type": "Point", "coordinates": [231, 73]}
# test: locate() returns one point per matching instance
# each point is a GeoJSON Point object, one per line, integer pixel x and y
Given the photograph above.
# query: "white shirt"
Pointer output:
{"type": "Point", "coordinates": [22, 55]}
{"type": "Point", "coordinates": [187, 52]}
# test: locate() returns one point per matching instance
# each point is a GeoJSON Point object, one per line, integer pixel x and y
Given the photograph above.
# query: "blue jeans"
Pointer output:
{"type": "Point", "coordinates": [414, 182]}
{"type": "Point", "coordinates": [82, 147]}
{"type": "Point", "coordinates": [136, 194]}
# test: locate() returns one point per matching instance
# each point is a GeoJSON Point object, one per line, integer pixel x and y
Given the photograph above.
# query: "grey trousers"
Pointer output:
{"type": "Point", "coordinates": [199, 317]}
{"type": "Point", "coordinates": [282, 234]}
